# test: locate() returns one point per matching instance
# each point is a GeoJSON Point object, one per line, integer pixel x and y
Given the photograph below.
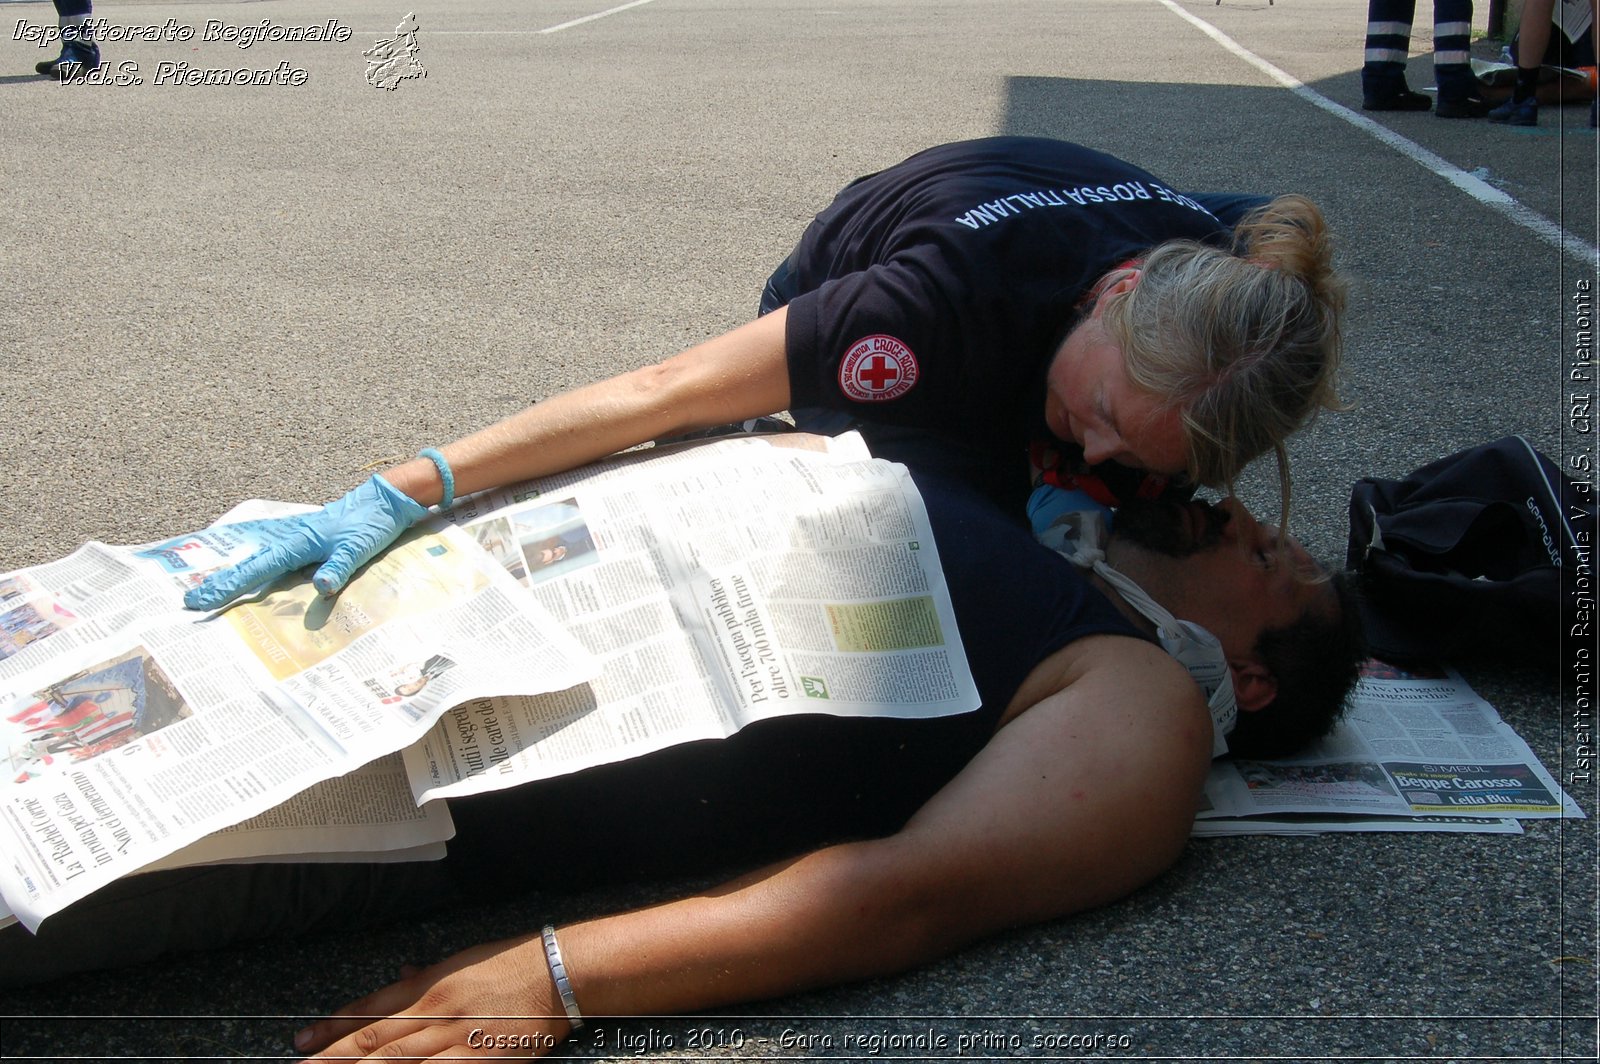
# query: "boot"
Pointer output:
{"type": "Point", "coordinates": [1384, 88]}
{"type": "Point", "coordinates": [78, 57]}
{"type": "Point", "coordinates": [1459, 95]}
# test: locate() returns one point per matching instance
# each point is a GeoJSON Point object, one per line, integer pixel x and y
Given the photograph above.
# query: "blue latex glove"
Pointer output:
{"type": "Point", "coordinates": [1049, 503]}
{"type": "Point", "coordinates": [1070, 522]}
{"type": "Point", "coordinates": [343, 535]}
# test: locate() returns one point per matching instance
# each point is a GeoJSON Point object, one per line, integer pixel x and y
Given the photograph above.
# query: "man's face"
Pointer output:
{"type": "Point", "coordinates": [1216, 566]}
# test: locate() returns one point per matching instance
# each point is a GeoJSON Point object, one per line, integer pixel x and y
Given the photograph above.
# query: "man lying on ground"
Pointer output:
{"type": "Point", "coordinates": [1075, 783]}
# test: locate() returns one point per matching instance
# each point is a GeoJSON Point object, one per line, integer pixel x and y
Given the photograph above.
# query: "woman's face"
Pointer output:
{"type": "Point", "coordinates": [1090, 400]}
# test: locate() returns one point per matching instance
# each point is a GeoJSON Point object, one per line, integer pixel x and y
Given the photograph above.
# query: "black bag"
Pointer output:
{"type": "Point", "coordinates": [1473, 554]}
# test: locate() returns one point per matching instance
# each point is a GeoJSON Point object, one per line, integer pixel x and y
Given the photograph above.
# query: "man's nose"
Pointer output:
{"type": "Point", "coordinates": [1241, 522]}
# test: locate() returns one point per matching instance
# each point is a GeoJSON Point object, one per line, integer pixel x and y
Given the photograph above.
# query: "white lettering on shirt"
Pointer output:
{"type": "Point", "coordinates": [986, 214]}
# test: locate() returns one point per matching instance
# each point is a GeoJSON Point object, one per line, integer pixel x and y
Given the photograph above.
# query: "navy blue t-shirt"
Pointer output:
{"type": "Point", "coordinates": [791, 784]}
{"type": "Point", "coordinates": [934, 293]}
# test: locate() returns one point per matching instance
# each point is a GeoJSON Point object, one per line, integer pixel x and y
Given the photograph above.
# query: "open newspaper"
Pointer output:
{"type": "Point", "coordinates": [714, 585]}
{"type": "Point", "coordinates": [1415, 752]}
{"type": "Point", "coordinates": [717, 585]}
{"type": "Point", "coordinates": [133, 728]}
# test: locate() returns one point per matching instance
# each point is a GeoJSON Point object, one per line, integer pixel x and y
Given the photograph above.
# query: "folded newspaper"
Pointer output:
{"type": "Point", "coordinates": [652, 600]}
{"type": "Point", "coordinates": [1416, 751]}
{"type": "Point", "coordinates": [134, 728]}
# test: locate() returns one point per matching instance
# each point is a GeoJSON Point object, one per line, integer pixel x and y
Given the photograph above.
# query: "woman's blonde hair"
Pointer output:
{"type": "Point", "coordinates": [1244, 340]}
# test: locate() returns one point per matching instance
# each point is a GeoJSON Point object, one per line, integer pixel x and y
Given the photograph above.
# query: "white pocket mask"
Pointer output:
{"type": "Point", "coordinates": [1196, 650]}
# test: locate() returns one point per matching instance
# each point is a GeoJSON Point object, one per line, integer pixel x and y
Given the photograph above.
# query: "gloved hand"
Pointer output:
{"type": "Point", "coordinates": [343, 535]}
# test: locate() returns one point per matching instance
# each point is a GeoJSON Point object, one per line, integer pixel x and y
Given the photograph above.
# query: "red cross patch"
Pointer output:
{"type": "Point", "coordinates": [876, 369]}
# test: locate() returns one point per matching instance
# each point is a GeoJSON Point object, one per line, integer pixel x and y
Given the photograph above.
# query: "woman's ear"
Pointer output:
{"type": "Point", "coordinates": [1117, 282]}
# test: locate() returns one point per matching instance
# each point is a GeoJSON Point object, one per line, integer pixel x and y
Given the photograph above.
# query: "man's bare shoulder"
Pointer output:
{"type": "Point", "coordinates": [1150, 685]}
{"type": "Point", "coordinates": [1086, 791]}
{"type": "Point", "coordinates": [1121, 710]}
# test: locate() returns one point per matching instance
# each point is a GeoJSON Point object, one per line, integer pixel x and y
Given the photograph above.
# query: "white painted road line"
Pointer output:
{"type": "Point", "coordinates": [1475, 187]}
{"type": "Point", "coordinates": [591, 18]}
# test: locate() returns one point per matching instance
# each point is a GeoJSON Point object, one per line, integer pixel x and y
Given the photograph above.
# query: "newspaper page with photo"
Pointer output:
{"type": "Point", "coordinates": [1411, 745]}
{"type": "Point", "coordinates": [124, 749]}
{"type": "Point", "coordinates": [51, 610]}
{"type": "Point", "coordinates": [718, 585]}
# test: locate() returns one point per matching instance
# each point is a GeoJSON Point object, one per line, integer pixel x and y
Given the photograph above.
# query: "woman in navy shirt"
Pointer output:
{"type": "Point", "coordinates": [1001, 293]}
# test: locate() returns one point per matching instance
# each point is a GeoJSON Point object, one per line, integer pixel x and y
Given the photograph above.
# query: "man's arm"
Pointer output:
{"type": "Point", "coordinates": [1084, 796]}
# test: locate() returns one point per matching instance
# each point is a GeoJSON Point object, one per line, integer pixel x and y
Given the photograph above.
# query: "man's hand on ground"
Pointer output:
{"type": "Point", "coordinates": [488, 1001]}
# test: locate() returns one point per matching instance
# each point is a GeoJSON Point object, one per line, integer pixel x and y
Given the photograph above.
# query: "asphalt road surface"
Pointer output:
{"type": "Point", "coordinates": [211, 293]}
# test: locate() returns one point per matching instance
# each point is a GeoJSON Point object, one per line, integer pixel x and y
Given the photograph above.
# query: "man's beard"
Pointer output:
{"type": "Point", "coordinates": [1174, 529]}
